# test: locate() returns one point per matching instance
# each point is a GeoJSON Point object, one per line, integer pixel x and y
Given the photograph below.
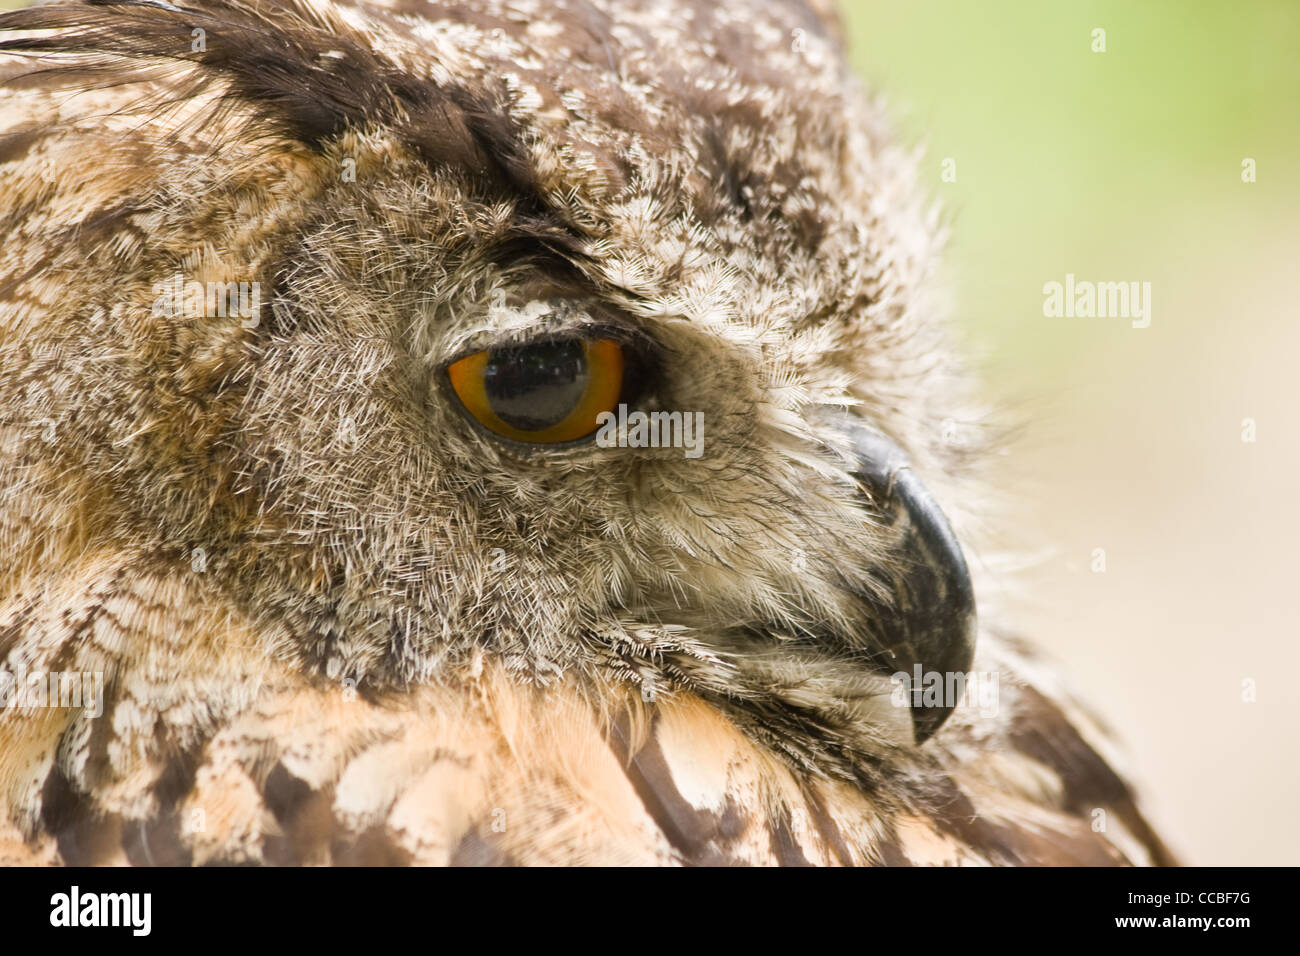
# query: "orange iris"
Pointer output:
{"type": "Point", "coordinates": [544, 393]}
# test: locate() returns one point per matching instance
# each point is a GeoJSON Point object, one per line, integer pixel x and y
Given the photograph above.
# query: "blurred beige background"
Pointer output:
{"type": "Point", "coordinates": [1127, 166]}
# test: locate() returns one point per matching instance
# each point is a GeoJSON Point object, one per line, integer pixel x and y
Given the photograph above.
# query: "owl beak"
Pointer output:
{"type": "Point", "coordinates": [928, 631]}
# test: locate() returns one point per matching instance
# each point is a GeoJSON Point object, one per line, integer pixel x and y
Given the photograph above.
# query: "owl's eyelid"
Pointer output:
{"type": "Point", "coordinates": [634, 340]}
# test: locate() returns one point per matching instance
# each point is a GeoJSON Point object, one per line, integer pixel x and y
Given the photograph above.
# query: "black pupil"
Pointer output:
{"type": "Point", "coordinates": [537, 386]}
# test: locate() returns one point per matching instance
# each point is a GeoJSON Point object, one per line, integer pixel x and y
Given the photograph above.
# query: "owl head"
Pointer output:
{"type": "Point", "coordinates": [591, 336]}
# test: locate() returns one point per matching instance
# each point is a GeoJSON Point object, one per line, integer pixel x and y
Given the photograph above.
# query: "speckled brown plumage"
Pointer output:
{"type": "Point", "coordinates": [338, 624]}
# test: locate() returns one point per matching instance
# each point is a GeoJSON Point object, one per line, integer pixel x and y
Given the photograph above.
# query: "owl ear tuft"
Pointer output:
{"type": "Point", "coordinates": [310, 76]}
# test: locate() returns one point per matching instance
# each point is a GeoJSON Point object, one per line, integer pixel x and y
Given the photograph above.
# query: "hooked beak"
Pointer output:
{"type": "Point", "coordinates": [930, 626]}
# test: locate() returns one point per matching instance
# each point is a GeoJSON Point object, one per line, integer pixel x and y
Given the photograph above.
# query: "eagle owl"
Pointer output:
{"type": "Point", "coordinates": [500, 432]}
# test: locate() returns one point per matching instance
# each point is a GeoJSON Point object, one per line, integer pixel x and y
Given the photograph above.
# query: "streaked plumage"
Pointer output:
{"type": "Point", "coordinates": [339, 624]}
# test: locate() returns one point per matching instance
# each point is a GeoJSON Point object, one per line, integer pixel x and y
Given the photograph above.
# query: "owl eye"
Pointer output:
{"type": "Point", "coordinates": [544, 393]}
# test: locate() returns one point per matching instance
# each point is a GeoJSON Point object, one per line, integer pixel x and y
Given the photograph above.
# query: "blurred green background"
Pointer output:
{"type": "Point", "coordinates": [1127, 166]}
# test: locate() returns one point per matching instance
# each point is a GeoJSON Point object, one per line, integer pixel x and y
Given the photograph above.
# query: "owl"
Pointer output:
{"type": "Point", "coordinates": [496, 432]}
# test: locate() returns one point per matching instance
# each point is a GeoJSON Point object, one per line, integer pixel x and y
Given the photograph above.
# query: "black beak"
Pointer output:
{"type": "Point", "coordinates": [930, 627]}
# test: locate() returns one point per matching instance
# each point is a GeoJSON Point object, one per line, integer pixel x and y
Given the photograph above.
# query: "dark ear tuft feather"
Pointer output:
{"type": "Point", "coordinates": [311, 79]}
